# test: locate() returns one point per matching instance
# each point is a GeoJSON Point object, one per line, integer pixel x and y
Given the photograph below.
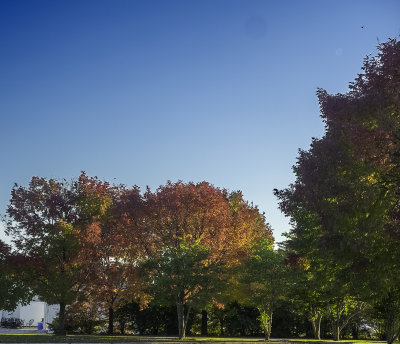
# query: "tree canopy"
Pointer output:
{"type": "Point", "coordinates": [344, 202]}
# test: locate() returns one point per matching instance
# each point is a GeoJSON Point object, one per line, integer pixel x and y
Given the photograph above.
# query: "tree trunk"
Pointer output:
{"type": "Point", "coordinates": [110, 320]}
{"type": "Point", "coordinates": [180, 311]}
{"type": "Point", "coordinates": [392, 328]}
{"type": "Point", "coordinates": [336, 321]}
{"type": "Point", "coordinates": [269, 326]}
{"type": "Point", "coordinates": [316, 326]}
{"type": "Point", "coordinates": [182, 319]}
{"type": "Point", "coordinates": [266, 320]}
{"type": "Point", "coordinates": [266, 334]}
{"type": "Point", "coordinates": [61, 315]}
{"type": "Point", "coordinates": [185, 324]}
{"type": "Point", "coordinates": [336, 332]}
{"type": "Point", "coordinates": [61, 321]}
{"type": "Point", "coordinates": [355, 331]}
{"type": "Point", "coordinates": [318, 334]}
{"type": "Point", "coordinates": [204, 323]}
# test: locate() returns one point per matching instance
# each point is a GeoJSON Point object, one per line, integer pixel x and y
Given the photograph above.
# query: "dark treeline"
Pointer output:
{"type": "Point", "coordinates": [235, 320]}
{"type": "Point", "coordinates": [194, 259]}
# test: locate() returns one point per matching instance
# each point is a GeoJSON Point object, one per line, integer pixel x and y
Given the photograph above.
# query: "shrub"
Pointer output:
{"type": "Point", "coordinates": [81, 318]}
{"type": "Point", "coordinates": [11, 322]}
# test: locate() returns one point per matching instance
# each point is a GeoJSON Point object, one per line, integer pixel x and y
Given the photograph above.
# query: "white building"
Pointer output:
{"type": "Point", "coordinates": [36, 311]}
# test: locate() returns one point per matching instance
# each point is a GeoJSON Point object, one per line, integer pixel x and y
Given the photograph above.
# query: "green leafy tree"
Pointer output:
{"type": "Point", "coordinates": [306, 291]}
{"type": "Point", "coordinates": [12, 289]}
{"type": "Point", "coordinates": [347, 183]}
{"type": "Point", "coordinates": [264, 281]}
{"type": "Point", "coordinates": [184, 276]}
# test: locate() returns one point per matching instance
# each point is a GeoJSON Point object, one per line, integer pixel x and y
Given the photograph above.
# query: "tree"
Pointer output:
{"type": "Point", "coordinates": [247, 228]}
{"type": "Point", "coordinates": [41, 224]}
{"type": "Point", "coordinates": [12, 288]}
{"type": "Point", "coordinates": [185, 214]}
{"type": "Point", "coordinates": [182, 275]}
{"type": "Point", "coordinates": [306, 290]}
{"type": "Point", "coordinates": [264, 280]}
{"type": "Point", "coordinates": [46, 220]}
{"type": "Point", "coordinates": [108, 246]}
{"type": "Point", "coordinates": [345, 197]}
{"type": "Point", "coordinates": [191, 213]}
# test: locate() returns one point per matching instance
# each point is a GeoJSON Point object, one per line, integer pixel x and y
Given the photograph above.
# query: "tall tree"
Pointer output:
{"type": "Point", "coordinates": [347, 182]}
{"type": "Point", "coordinates": [111, 247]}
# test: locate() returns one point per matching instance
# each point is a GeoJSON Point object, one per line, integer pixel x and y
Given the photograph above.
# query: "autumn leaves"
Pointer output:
{"type": "Point", "coordinates": [107, 245]}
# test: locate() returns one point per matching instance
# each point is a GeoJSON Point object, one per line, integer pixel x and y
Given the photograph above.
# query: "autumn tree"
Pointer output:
{"type": "Point", "coordinates": [111, 246]}
{"type": "Point", "coordinates": [41, 224]}
{"type": "Point", "coordinates": [45, 222]}
{"type": "Point", "coordinates": [192, 213]}
{"type": "Point", "coordinates": [248, 227]}
{"type": "Point", "coordinates": [179, 216]}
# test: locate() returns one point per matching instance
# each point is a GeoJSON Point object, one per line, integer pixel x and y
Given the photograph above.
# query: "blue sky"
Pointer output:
{"type": "Point", "coordinates": [141, 92]}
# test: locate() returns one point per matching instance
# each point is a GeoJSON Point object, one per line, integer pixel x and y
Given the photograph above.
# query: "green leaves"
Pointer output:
{"type": "Point", "coordinates": [12, 288]}
{"type": "Point", "coordinates": [344, 203]}
{"type": "Point", "coordinates": [183, 274]}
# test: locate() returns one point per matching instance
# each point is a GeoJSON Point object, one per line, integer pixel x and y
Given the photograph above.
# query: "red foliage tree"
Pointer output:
{"type": "Point", "coordinates": [180, 216]}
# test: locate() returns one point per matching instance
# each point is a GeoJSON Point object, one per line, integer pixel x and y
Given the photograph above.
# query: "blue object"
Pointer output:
{"type": "Point", "coordinates": [40, 326]}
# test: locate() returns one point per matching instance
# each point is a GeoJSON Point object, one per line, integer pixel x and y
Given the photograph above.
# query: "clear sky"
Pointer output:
{"type": "Point", "coordinates": [141, 92]}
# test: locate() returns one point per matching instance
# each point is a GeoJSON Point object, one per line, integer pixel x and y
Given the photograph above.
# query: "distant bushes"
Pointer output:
{"type": "Point", "coordinates": [11, 322]}
{"type": "Point", "coordinates": [82, 318]}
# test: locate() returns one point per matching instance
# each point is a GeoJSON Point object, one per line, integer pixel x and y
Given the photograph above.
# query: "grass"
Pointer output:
{"type": "Point", "coordinates": [48, 338]}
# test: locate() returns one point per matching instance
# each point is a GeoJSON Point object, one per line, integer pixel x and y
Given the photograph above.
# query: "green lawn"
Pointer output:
{"type": "Point", "coordinates": [43, 338]}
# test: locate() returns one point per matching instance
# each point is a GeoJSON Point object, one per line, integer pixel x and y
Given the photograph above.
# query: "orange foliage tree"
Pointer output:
{"type": "Point", "coordinates": [88, 238]}
{"type": "Point", "coordinates": [197, 225]}
{"type": "Point", "coordinates": [110, 247]}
